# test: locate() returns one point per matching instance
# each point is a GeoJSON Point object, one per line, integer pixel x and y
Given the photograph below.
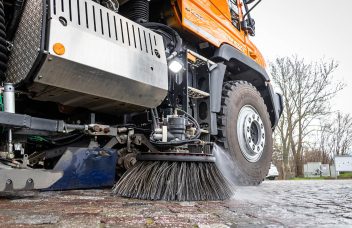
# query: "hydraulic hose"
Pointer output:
{"type": "Point", "coordinates": [169, 33]}
{"type": "Point", "coordinates": [3, 43]}
{"type": "Point", "coordinates": [136, 10]}
{"type": "Point", "coordinates": [194, 121]}
{"type": "Point", "coordinates": [13, 24]}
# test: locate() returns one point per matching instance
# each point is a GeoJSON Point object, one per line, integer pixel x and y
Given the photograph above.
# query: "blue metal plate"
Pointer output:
{"type": "Point", "coordinates": [86, 168]}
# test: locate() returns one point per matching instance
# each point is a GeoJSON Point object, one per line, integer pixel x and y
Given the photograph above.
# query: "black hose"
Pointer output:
{"type": "Point", "coordinates": [195, 122]}
{"type": "Point", "coordinates": [3, 44]}
{"type": "Point", "coordinates": [13, 24]}
{"type": "Point", "coordinates": [136, 10]}
{"type": "Point", "coordinates": [169, 33]}
{"type": "Point", "coordinates": [65, 137]}
{"type": "Point", "coordinates": [56, 143]}
{"type": "Point", "coordinates": [154, 119]}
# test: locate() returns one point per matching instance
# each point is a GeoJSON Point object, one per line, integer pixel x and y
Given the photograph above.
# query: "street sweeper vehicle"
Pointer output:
{"type": "Point", "coordinates": [135, 94]}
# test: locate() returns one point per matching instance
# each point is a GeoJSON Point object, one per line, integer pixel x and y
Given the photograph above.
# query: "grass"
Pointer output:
{"type": "Point", "coordinates": [308, 178]}
{"type": "Point", "coordinates": [344, 175]}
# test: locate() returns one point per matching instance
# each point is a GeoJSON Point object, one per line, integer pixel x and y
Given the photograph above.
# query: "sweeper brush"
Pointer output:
{"type": "Point", "coordinates": [174, 181]}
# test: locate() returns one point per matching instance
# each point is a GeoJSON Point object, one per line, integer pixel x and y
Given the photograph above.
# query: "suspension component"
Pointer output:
{"type": "Point", "coordinates": [9, 98]}
{"type": "Point", "coordinates": [9, 106]}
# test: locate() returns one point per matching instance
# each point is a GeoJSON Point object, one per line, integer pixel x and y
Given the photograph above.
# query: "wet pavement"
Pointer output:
{"type": "Point", "coordinates": [272, 204]}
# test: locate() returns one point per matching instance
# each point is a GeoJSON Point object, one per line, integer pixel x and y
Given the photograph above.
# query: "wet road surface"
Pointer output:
{"type": "Point", "coordinates": [272, 204]}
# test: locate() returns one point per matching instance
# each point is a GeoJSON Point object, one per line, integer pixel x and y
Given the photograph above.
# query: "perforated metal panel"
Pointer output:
{"type": "Point", "coordinates": [109, 25]}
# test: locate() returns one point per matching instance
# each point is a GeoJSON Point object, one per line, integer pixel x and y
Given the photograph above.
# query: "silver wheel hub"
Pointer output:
{"type": "Point", "coordinates": [250, 133]}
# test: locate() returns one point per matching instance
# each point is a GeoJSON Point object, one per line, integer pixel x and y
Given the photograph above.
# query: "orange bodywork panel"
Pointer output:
{"type": "Point", "coordinates": [211, 21]}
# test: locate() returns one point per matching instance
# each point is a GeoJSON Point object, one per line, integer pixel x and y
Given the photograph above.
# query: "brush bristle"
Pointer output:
{"type": "Point", "coordinates": [174, 181]}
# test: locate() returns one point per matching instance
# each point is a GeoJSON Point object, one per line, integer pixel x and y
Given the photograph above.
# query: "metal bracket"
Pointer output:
{"type": "Point", "coordinates": [141, 139]}
{"type": "Point", "coordinates": [27, 179]}
{"type": "Point", "coordinates": [175, 157]}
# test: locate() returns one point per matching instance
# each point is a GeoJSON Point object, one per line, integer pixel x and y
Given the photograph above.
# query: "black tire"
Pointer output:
{"type": "Point", "coordinates": [272, 178]}
{"type": "Point", "coordinates": [235, 96]}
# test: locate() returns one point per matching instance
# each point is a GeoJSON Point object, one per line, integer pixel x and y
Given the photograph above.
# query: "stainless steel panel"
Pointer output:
{"type": "Point", "coordinates": [89, 16]}
{"type": "Point", "coordinates": [90, 50]}
{"type": "Point", "coordinates": [77, 85]}
{"type": "Point", "coordinates": [108, 58]}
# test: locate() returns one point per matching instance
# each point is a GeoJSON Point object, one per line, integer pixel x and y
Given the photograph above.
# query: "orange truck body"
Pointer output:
{"type": "Point", "coordinates": [211, 21]}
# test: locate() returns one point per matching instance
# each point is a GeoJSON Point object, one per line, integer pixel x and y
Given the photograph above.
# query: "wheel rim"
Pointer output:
{"type": "Point", "coordinates": [250, 133]}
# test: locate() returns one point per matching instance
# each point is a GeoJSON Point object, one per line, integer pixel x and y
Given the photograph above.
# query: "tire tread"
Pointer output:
{"type": "Point", "coordinates": [228, 88]}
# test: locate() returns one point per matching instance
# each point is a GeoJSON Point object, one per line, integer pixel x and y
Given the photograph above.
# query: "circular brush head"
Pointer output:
{"type": "Point", "coordinates": [174, 181]}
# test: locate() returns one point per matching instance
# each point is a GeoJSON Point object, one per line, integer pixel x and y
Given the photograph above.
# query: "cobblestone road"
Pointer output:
{"type": "Point", "coordinates": [272, 204]}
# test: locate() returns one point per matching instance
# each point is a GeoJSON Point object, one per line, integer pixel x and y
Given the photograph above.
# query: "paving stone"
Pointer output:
{"type": "Point", "coordinates": [272, 204]}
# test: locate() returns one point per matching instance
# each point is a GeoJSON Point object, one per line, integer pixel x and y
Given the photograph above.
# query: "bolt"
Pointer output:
{"type": "Point", "coordinates": [249, 120]}
{"type": "Point", "coordinates": [96, 128]}
{"type": "Point", "coordinates": [11, 155]}
{"type": "Point", "coordinates": [258, 148]}
{"type": "Point", "coordinates": [253, 147]}
{"type": "Point", "coordinates": [63, 21]}
{"type": "Point", "coordinates": [133, 161]}
{"type": "Point", "coordinates": [263, 136]}
{"type": "Point", "coordinates": [262, 144]}
{"type": "Point", "coordinates": [106, 130]}
{"type": "Point", "coordinates": [248, 129]}
{"type": "Point", "coordinates": [261, 125]}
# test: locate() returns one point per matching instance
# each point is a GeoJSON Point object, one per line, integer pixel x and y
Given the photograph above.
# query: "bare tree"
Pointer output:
{"type": "Point", "coordinates": [316, 155]}
{"type": "Point", "coordinates": [325, 147]}
{"type": "Point", "coordinates": [307, 89]}
{"type": "Point", "coordinates": [336, 135]}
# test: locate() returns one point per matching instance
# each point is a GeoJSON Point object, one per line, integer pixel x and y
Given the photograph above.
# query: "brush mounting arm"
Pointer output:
{"type": "Point", "coordinates": [175, 157]}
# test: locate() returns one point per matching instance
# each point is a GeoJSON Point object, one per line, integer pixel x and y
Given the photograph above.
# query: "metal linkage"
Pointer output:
{"type": "Point", "coordinates": [13, 120]}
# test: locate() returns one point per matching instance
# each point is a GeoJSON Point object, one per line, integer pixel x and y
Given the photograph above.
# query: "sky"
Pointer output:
{"type": "Point", "coordinates": [312, 29]}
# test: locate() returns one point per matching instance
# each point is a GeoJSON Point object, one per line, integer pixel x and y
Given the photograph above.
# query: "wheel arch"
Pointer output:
{"type": "Point", "coordinates": [234, 65]}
